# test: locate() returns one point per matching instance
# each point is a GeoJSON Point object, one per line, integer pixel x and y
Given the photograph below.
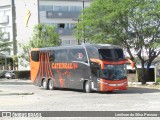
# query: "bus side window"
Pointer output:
{"type": "Point", "coordinates": [35, 56]}
{"type": "Point", "coordinates": [52, 56]}
{"type": "Point", "coordinates": [61, 56]}
{"type": "Point", "coordinates": [92, 52]}
{"type": "Point", "coordinates": [77, 55]}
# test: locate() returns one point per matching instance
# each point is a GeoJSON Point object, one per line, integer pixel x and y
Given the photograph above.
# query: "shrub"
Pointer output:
{"type": "Point", "coordinates": [158, 80]}
{"type": "Point", "coordinates": [22, 74]}
{"type": "Point", "coordinates": [2, 73]}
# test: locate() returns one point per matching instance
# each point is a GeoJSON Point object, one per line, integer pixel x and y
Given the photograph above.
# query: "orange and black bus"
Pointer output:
{"type": "Point", "coordinates": [89, 67]}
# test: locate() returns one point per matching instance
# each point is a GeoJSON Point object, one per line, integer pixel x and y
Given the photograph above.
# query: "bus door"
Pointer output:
{"type": "Point", "coordinates": [95, 71]}
{"type": "Point", "coordinates": [95, 65]}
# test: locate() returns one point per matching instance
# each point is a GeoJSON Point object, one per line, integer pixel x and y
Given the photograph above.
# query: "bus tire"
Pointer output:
{"type": "Point", "coordinates": [51, 84]}
{"type": "Point", "coordinates": [87, 87]}
{"type": "Point", "coordinates": [45, 84]}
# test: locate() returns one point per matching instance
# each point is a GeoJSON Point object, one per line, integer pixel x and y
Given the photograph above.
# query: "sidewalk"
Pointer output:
{"type": "Point", "coordinates": [150, 85]}
{"type": "Point", "coordinates": [9, 82]}
{"type": "Point", "coordinates": [139, 83]}
{"type": "Point", "coordinates": [4, 81]}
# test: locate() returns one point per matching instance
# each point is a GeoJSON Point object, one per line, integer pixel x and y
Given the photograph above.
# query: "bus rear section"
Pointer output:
{"type": "Point", "coordinates": [34, 64]}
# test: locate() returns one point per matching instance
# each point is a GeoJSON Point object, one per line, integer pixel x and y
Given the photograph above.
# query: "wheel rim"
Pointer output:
{"type": "Point", "coordinates": [87, 87]}
{"type": "Point", "coordinates": [44, 84]}
{"type": "Point", "coordinates": [50, 84]}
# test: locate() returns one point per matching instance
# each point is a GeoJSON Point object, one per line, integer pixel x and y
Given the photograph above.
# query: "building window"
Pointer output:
{"type": "Point", "coordinates": [76, 8]}
{"type": "Point", "coordinates": [72, 25]}
{"type": "Point", "coordinates": [61, 25]}
{"type": "Point", "coordinates": [49, 14]}
{"type": "Point", "coordinates": [35, 56]}
{"type": "Point", "coordinates": [69, 42]}
{"type": "Point", "coordinates": [67, 26]}
{"type": "Point", "coordinates": [65, 42]}
{"type": "Point", "coordinates": [45, 8]}
{"type": "Point", "coordinates": [73, 42]}
{"type": "Point", "coordinates": [60, 8]}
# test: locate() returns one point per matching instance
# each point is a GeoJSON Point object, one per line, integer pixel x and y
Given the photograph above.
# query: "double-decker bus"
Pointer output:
{"type": "Point", "coordinates": [89, 67]}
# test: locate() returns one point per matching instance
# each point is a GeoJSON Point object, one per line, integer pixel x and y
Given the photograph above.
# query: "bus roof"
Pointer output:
{"type": "Point", "coordinates": [98, 46]}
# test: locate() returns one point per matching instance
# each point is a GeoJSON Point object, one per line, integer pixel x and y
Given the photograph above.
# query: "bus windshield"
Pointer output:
{"type": "Point", "coordinates": [111, 54]}
{"type": "Point", "coordinates": [114, 72]}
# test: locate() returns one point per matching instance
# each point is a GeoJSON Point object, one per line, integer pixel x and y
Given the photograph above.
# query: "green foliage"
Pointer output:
{"type": "Point", "coordinates": [43, 36]}
{"type": "Point", "coordinates": [111, 21]}
{"type": "Point", "coordinates": [2, 73]}
{"type": "Point", "coordinates": [132, 24]}
{"type": "Point", "coordinates": [15, 61]}
{"type": "Point", "coordinates": [158, 80]}
{"type": "Point", "coordinates": [2, 61]}
{"type": "Point", "coordinates": [4, 45]}
{"type": "Point", "coordinates": [22, 74]}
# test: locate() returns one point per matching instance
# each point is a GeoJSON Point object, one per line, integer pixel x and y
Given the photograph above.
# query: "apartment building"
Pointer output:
{"type": "Point", "coordinates": [63, 14]}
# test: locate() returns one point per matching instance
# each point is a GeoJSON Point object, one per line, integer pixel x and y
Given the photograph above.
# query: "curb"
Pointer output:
{"type": "Point", "coordinates": [9, 93]}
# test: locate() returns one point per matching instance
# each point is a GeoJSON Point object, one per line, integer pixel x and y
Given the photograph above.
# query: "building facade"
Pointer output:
{"type": "Point", "coordinates": [7, 27]}
{"type": "Point", "coordinates": [6, 23]}
{"type": "Point", "coordinates": [63, 14]}
{"type": "Point", "coordinates": [18, 17]}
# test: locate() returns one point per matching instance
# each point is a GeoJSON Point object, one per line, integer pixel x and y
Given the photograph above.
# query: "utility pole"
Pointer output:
{"type": "Point", "coordinates": [14, 30]}
{"type": "Point", "coordinates": [83, 24]}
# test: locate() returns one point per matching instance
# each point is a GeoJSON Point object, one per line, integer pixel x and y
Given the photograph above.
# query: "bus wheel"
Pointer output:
{"type": "Point", "coordinates": [87, 87]}
{"type": "Point", "coordinates": [45, 84]}
{"type": "Point", "coordinates": [51, 85]}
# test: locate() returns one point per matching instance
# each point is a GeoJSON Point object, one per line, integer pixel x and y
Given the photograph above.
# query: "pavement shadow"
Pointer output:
{"type": "Point", "coordinates": [131, 90]}
{"type": "Point", "coordinates": [136, 90]}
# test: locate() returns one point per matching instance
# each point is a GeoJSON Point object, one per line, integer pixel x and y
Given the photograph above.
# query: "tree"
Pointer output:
{"type": "Point", "coordinates": [133, 24]}
{"type": "Point", "coordinates": [4, 45]}
{"type": "Point", "coordinates": [43, 36]}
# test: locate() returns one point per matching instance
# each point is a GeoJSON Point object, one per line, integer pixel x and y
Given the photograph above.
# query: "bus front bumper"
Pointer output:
{"type": "Point", "coordinates": [108, 85]}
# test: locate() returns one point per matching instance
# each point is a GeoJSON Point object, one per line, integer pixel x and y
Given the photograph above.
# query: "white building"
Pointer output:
{"type": "Point", "coordinates": [6, 23]}
{"type": "Point", "coordinates": [18, 17]}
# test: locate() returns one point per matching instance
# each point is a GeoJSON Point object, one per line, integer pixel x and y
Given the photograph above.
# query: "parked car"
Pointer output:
{"type": "Point", "coordinates": [10, 74]}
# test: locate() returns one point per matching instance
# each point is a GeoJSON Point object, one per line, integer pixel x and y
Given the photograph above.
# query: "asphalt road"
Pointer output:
{"type": "Point", "coordinates": [21, 95]}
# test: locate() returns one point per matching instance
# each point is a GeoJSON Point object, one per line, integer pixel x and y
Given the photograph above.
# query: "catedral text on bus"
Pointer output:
{"type": "Point", "coordinates": [100, 67]}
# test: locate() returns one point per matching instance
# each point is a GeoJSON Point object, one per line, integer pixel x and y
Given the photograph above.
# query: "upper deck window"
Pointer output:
{"type": "Point", "coordinates": [92, 52]}
{"type": "Point", "coordinates": [61, 55]}
{"type": "Point", "coordinates": [35, 56]}
{"type": "Point", "coordinates": [111, 54]}
{"type": "Point", "coordinates": [77, 55]}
